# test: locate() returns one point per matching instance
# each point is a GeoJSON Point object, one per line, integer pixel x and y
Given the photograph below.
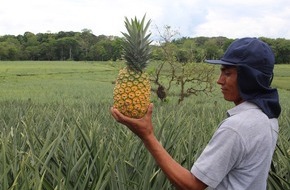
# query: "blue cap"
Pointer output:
{"type": "Point", "coordinates": [255, 63]}
{"type": "Point", "coordinates": [248, 51]}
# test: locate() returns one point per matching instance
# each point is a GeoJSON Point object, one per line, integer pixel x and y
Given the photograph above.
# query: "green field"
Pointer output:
{"type": "Point", "coordinates": [46, 81]}
{"type": "Point", "coordinates": [55, 81]}
{"type": "Point", "coordinates": [57, 132]}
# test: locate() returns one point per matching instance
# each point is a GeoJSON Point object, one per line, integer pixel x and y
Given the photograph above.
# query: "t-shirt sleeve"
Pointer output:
{"type": "Point", "coordinates": [223, 152]}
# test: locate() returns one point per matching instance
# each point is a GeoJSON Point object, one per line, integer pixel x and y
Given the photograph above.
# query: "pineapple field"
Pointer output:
{"type": "Point", "coordinates": [57, 132]}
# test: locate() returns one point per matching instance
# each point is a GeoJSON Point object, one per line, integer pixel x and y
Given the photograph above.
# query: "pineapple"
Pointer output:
{"type": "Point", "coordinates": [132, 89]}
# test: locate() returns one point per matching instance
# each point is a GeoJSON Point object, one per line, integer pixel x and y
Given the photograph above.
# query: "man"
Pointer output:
{"type": "Point", "coordinates": [239, 154]}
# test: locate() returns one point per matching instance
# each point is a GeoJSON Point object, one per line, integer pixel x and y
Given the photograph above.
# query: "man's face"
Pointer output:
{"type": "Point", "coordinates": [229, 84]}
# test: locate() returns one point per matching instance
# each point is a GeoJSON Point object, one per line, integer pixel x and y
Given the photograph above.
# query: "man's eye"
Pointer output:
{"type": "Point", "coordinates": [227, 73]}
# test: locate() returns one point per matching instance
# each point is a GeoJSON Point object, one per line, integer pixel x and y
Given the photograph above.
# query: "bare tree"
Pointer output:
{"type": "Point", "coordinates": [190, 77]}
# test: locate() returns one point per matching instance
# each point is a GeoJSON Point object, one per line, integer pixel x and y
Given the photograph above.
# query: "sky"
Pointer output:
{"type": "Point", "coordinates": [191, 18]}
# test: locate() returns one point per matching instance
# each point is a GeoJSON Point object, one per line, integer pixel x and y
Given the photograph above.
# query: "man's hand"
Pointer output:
{"type": "Point", "coordinates": [141, 127]}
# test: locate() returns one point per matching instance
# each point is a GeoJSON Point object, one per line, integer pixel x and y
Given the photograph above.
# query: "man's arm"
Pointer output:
{"type": "Point", "coordinates": [180, 177]}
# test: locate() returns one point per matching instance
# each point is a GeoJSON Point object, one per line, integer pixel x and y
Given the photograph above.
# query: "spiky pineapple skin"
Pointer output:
{"type": "Point", "coordinates": [132, 93]}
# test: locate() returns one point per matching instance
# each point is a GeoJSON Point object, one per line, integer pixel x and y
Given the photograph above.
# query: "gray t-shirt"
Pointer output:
{"type": "Point", "coordinates": [239, 155]}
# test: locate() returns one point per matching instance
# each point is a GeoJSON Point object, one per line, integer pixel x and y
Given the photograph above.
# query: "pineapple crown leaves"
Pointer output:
{"type": "Point", "coordinates": [137, 44]}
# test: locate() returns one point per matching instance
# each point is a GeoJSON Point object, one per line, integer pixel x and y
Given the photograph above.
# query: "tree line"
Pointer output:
{"type": "Point", "coordinates": [85, 46]}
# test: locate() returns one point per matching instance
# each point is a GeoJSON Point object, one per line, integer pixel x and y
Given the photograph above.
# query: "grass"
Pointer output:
{"type": "Point", "coordinates": [282, 77]}
{"type": "Point", "coordinates": [57, 132]}
{"type": "Point", "coordinates": [55, 81]}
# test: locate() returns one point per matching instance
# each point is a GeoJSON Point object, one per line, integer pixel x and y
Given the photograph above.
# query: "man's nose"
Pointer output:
{"type": "Point", "coordinates": [220, 80]}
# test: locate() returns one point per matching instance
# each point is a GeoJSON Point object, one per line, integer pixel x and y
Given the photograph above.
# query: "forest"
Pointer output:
{"type": "Point", "coordinates": [85, 46]}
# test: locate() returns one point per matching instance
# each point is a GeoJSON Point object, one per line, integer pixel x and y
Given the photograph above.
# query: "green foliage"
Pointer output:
{"type": "Point", "coordinates": [60, 46]}
{"type": "Point", "coordinates": [279, 178]}
{"type": "Point", "coordinates": [85, 46]}
{"type": "Point", "coordinates": [136, 45]}
{"type": "Point", "coordinates": [68, 139]}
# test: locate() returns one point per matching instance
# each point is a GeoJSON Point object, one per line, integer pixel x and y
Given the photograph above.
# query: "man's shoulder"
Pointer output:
{"type": "Point", "coordinates": [245, 108]}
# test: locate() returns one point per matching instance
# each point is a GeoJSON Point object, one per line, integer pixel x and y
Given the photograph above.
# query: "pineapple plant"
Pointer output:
{"type": "Point", "coordinates": [132, 88]}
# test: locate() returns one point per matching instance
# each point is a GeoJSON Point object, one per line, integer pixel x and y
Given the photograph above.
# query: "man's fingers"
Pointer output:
{"type": "Point", "coordinates": [119, 116]}
{"type": "Point", "coordinates": [150, 109]}
{"type": "Point", "coordinates": [115, 113]}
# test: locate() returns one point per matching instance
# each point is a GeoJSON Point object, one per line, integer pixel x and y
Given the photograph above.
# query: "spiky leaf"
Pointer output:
{"type": "Point", "coordinates": [137, 44]}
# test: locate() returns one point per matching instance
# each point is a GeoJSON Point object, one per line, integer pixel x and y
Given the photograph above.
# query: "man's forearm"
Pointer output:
{"type": "Point", "coordinates": [179, 176]}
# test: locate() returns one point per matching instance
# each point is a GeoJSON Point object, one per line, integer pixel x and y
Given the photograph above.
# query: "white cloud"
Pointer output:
{"type": "Point", "coordinates": [255, 19]}
{"type": "Point", "coordinates": [229, 18]}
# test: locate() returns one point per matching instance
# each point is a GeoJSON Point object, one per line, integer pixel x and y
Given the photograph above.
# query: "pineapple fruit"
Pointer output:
{"type": "Point", "coordinates": [132, 88]}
